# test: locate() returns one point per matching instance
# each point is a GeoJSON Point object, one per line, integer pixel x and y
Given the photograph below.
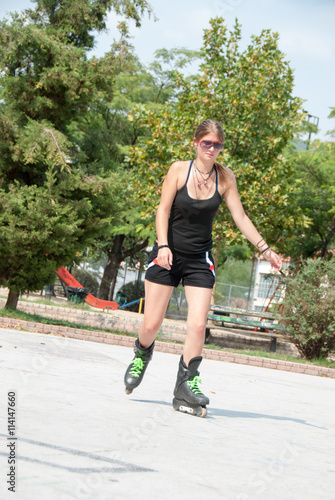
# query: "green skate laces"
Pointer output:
{"type": "Point", "coordinates": [138, 365]}
{"type": "Point", "coordinates": [193, 385]}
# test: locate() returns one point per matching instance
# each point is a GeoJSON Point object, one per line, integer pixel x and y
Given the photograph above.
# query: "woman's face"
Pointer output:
{"type": "Point", "coordinates": [208, 147]}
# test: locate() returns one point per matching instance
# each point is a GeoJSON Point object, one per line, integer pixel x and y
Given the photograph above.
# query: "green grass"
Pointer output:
{"type": "Point", "coordinates": [274, 355]}
{"type": "Point", "coordinates": [49, 302]}
{"type": "Point", "coordinates": [10, 313]}
{"type": "Point", "coordinates": [83, 306]}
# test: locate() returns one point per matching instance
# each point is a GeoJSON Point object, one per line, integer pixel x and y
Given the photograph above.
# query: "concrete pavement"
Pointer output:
{"type": "Point", "coordinates": [268, 434]}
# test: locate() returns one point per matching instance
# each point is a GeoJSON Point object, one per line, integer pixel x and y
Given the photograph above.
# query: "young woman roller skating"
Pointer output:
{"type": "Point", "coordinates": [191, 195]}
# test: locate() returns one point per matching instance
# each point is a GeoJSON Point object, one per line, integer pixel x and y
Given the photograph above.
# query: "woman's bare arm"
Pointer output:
{"type": "Point", "coordinates": [169, 190]}
{"type": "Point", "coordinates": [243, 222]}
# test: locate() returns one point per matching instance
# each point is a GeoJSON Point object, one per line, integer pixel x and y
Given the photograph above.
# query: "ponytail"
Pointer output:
{"type": "Point", "coordinates": [221, 170]}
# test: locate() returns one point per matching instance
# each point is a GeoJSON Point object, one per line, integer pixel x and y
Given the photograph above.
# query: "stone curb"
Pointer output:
{"type": "Point", "coordinates": [116, 339]}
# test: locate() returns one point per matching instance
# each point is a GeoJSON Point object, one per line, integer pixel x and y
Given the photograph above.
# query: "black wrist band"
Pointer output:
{"type": "Point", "coordinates": [257, 244]}
{"type": "Point", "coordinates": [162, 246]}
{"type": "Point", "coordinates": [268, 248]}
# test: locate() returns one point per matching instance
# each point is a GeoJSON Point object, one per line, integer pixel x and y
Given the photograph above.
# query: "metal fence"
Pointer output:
{"type": "Point", "coordinates": [233, 295]}
{"type": "Point", "coordinates": [226, 295]}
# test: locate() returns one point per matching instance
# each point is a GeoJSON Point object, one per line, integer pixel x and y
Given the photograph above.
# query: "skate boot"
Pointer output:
{"type": "Point", "coordinates": [135, 371]}
{"type": "Point", "coordinates": [187, 395]}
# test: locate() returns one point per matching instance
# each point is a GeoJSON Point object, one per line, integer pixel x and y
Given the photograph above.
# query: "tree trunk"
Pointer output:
{"type": "Point", "coordinates": [106, 290]}
{"type": "Point", "coordinates": [116, 254]}
{"type": "Point", "coordinates": [113, 283]}
{"type": "Point", "coordinates": [12, 300]}
{"type": "Point", "coordinates": [115, 257]}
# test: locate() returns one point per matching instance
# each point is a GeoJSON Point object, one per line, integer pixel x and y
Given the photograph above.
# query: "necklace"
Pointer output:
{"type": "Point", "coordinates": [204, 179]}
{"type": "Point", "coordinates": [205, 173]}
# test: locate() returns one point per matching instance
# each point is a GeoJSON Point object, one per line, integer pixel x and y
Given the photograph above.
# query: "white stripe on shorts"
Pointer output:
{"type": "Point", "coordinates": [208, 260]}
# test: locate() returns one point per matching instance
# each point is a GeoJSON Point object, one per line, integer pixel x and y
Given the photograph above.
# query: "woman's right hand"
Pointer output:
{"type": "Point", "coordinates": [165, 258]}
{"type": "Point", "coordinates": [274, 259]}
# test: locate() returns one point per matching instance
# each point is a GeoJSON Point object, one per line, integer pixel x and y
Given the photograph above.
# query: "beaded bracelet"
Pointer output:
{"type": "Point", "coordinates": [259, 246]}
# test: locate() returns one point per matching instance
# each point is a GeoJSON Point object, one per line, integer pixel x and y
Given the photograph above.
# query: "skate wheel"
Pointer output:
{"type": "Point", "coordinates": [199, 411]}
{"type": "Point", "coordinates": [128, 391]}
{"type": "Point", "coordinates": [203, 412]}
{"type": "Point", "coordinates": [175, 405]}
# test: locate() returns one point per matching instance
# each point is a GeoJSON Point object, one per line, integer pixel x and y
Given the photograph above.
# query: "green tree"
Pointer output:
{"type": "Point", "coordinates": [308, 308]}
{"type": "Point", "coordinates": [314, 177]}
{"type": "Point", "coordinates": [332, 115]}
{"type": "Point", "coordinates": [234, 265]}
{"type": "Point", "coordinates": [53, 203]}
{"type": "Point", "coordinates": [165, 69]}
{"type": "Point", "coordinates": [132, 291]}
{"type": "Point", "coordinates": [87, 280]}
{"type": "Point", "coordinates": [250, 93]}
{"type": "Point", "coordinates": [107, 122]}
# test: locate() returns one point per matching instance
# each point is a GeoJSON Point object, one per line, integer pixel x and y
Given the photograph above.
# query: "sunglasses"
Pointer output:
{"type": "Point", "coordinates": [208, 144]}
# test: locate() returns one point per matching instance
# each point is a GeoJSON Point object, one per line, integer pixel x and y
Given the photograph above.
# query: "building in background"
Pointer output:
{"type": "Point", "coordinates": [267, 286]}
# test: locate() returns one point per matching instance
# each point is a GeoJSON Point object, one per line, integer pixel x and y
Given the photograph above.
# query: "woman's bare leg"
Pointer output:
{"type": "Point", "coordinates": [156, 302]}
{"type": "Point", "coordinates": [198, 301]}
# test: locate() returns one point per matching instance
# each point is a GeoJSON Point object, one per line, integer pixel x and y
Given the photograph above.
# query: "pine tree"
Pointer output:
{"type": "Point", "coordinates": [52, 204]}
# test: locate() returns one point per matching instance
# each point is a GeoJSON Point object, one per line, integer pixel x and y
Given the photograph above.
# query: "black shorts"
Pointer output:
{"type": "Point", "coordinates": [191, 269]}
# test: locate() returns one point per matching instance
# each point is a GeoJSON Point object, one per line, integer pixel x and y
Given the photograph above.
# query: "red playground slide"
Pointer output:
{"type": "Point", "coordinates": [68, 280]}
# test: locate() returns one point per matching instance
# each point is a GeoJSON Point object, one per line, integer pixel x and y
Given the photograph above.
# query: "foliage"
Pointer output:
{"type": "Point", "coordinates": [332, 115]}
{"type": "Point", "coordinates": [49, 212]}
{"type": "Point", "coordinates": [165, 70]}
{"type": "Point", "coordinates": [314, 176]}
{"type": "Point", "coordinates": [233, 267]}
{"type": "Point", "coordinates": [308, 309]}
{"type": "Point", "coordinates": [87, 280]}
{"type": "Point", "coordinates": [238, 252]}
{"type": "Point", "coordinates": [235, 272]}
{"type": "Point", "coordinates": [77, 21]}
{"type": "Point", "coordinates": [53, 202]}
{"type": "Point", "coordinates": [250, 93]}
{"type": "Point", "coordinates": [104, 133]}
{"type": "Point", "coordinates": [133, 291]}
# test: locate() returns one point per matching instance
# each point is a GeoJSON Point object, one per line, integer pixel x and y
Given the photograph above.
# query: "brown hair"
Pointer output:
{"type": "Point", "coordinates": [211, 127]}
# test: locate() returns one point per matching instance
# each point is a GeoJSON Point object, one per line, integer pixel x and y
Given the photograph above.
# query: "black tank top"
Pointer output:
{"type": "Point", "coordinates": [191, 220]}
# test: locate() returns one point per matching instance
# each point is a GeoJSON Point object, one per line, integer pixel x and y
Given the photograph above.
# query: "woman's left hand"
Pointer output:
{"type": "Point", "coordinates": [274, 259]}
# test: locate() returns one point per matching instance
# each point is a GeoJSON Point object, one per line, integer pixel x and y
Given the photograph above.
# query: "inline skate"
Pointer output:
{"type": "Point", "coordinates": [188, 398]}
{"type": "Point", "coordinates": [136, 369]}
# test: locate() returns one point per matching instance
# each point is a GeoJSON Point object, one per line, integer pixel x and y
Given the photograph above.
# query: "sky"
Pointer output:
{"type": "Point", "coordinates": [305, 27]}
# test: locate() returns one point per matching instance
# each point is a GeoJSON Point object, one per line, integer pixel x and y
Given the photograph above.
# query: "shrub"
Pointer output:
{"type": "Point", "coordinates": [133, 291]}
{"type": "Point", "coordinates": [87, 280]}
{"type": "Point", "coordinates": [308, 309]}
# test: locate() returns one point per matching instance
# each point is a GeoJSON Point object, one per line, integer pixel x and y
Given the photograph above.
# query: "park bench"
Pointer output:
{"type": "Point", "coordinates": [221, 318]}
